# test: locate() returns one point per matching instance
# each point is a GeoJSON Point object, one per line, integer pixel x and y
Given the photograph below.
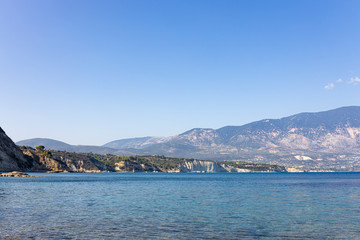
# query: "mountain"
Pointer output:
{"type": "Point", "coordinates": [137, 143]}
{"type": "Point", "coordinates": [61, 146]}
{"type": "Point", "coordinates": [11, 157]}
{"type": "Point", "coordinates": [330, 131]}
{"type": "Point", "coordinates": [321, 140]}
{"type": "Point", "coordinates": [329, 139]}
{"type": "Point", "coordinates": [25, 158]}
{"type": "Point", "coordinates": [47, 142]}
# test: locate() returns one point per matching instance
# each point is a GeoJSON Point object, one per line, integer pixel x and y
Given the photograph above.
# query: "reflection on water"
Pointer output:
{"type": "Point", "coordinates": [181, 206]}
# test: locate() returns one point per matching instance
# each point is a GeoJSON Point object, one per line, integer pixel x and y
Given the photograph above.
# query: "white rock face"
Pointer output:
{"type": "Point", "coordinates": [303, 158]}
{"type": "Point", "coordinates": [201, 166]}
{"type": "Point", "coordinates": [208, 167]}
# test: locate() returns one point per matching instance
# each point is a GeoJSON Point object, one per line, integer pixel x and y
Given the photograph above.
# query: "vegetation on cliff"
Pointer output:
{"type": "Point", "coordinates": [62, 161]}
{"type": "Point", "coordinates": [11, 157]}
{"type": "Point", "coordinates": [59, 161]}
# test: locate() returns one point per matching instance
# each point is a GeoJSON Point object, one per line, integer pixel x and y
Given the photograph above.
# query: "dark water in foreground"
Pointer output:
{"type": "Point", "coordinates": [181, 206]}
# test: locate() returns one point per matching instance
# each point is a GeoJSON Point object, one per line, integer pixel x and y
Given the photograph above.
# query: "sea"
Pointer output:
{"type": "Point", "coordinates": [181, 206]}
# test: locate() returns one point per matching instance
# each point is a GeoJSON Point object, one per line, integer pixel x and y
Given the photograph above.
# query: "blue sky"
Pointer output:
{"type": "Point", "coordinates": [88, 72]}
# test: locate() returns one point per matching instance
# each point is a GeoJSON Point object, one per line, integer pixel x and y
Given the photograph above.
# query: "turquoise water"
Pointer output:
{"type": "Point", "coordinates": [181, 206]}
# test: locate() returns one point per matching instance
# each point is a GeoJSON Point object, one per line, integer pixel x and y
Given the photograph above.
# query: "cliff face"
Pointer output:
{"type": "Point", "coordinates": [11, 157]}
{"type": "Point", "coordinates": [65, 162]}
{"type": "Point", "coordinates": [26, 159]}
{"type": "Point", "coordinates": [185, 166]}
{"type": "Point", "coordinates": [213, 167]}
{"type": "Point", "coordinates": [131, 166]}
{"type": "Point", "coordinates": [201, 166]}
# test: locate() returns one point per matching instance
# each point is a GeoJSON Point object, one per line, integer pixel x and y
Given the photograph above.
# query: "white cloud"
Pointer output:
{"type": "Point", "coordinates": [354, 80]}
{"type": "Point", "coordinates": [329, 86]}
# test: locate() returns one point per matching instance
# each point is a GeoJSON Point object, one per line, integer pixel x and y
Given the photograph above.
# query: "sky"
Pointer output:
{"type": "Point", "coordinates": [89, 72]}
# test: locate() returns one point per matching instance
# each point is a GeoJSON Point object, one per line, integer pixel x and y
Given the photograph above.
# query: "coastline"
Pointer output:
{"type": "Point", "coordinates": [26, 173]}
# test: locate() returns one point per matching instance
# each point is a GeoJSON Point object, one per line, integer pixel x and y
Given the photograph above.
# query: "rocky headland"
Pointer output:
{"type": "Point", "coordinates": [42, 160]}
{"type": "Point", "coordinates": [16, 174]}
{"type": "Point", "coordinates": [12, 158]}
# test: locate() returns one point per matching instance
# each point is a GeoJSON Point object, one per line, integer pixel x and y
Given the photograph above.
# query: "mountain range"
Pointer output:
{"type": "Point", "coordinates": [14, 158]}
{"type": "Point", "coordinates": [322, 140]}
{"type": "Point", "coordinates": [61, 146]}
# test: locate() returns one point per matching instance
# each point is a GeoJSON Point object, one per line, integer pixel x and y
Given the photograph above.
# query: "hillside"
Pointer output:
{"type": "Point", "coordinates": [61, 146]}
{"type": "Point", "coordinates": [11, 157]}
{"type": "Point", "coordinates": [25, 158]}
{"type": "Point", "coordinates": [329, 139]}
{"type": "Point", "coordinates": [62, 161]}
{"type": "Point", "coordinates": [136, 143]}
{"type": "Point", "coordinates": [322, 140]}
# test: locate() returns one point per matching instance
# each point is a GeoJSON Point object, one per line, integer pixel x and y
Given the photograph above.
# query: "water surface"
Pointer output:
{"type": "Point", "coordinates": [181, 206]}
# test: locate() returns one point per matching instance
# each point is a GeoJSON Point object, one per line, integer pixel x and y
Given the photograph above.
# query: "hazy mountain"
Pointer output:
{"type": "Point", "coordinates": [329, 139]}
{"type": "Point", "coordinates": [61, 146]}
{"type": "Point", "coordinates": [137, 143]}
{"type": "Point", "coordinates": [47, 142]}
{"type": "Point", "coordinates": [330, 131]}
{"type": "Point", "coordinates": [324, 139]}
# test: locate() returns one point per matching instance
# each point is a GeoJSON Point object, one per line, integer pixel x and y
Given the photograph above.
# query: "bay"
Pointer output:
{"type": "Point", "coordinates": [181, 206]}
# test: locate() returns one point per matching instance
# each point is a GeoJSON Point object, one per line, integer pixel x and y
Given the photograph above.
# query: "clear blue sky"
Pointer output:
{"type": "Point", "coordinates": [88, 72]}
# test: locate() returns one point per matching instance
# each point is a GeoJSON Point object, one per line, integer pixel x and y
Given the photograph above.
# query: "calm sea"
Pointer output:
{"type": "Point", "coordinates": [181, 206]}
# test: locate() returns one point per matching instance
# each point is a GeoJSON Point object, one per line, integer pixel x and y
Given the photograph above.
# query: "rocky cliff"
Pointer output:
{"type": "Point", "coordinates": [203, 166]}
{"type": "Point", "coordinates": [133, 166]}
{"type": "Point", "coordinates": [11, 157]}
{"type": "Point", "coordinates": [61, 161]}
{"type": "Point", "coordinates": [166, 164]}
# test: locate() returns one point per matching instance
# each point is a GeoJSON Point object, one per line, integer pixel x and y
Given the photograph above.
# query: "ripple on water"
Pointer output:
{"type": "Point", "coordinates": [181, 206]}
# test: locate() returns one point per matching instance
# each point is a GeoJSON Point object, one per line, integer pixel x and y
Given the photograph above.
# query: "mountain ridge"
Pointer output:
{"type": "Point", "coordinates": [325, 139]}
{"type": "Point", "coordinates": [62, 146]}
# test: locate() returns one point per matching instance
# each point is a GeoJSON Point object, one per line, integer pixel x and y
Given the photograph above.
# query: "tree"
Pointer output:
{"type": "Point", "coordinates": [40, 148]}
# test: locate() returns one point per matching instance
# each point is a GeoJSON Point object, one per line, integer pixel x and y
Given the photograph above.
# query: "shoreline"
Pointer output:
{"type": "Point", "coordinates": [16, 174]}
{"type": "Point", "coordinates": [26, 173]}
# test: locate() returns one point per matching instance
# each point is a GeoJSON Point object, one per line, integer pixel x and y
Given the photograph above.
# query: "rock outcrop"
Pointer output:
{"type": "Point", "coordinates": [132, 166]}
{"type": "Point", "coordinates": [15, 174]}
{"type": "Point", "coordinates": [202, 166]}
{"type": "Point", "coordinates": [11, 157]}
{"type": "Point", "coordinates": [61, 161]}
